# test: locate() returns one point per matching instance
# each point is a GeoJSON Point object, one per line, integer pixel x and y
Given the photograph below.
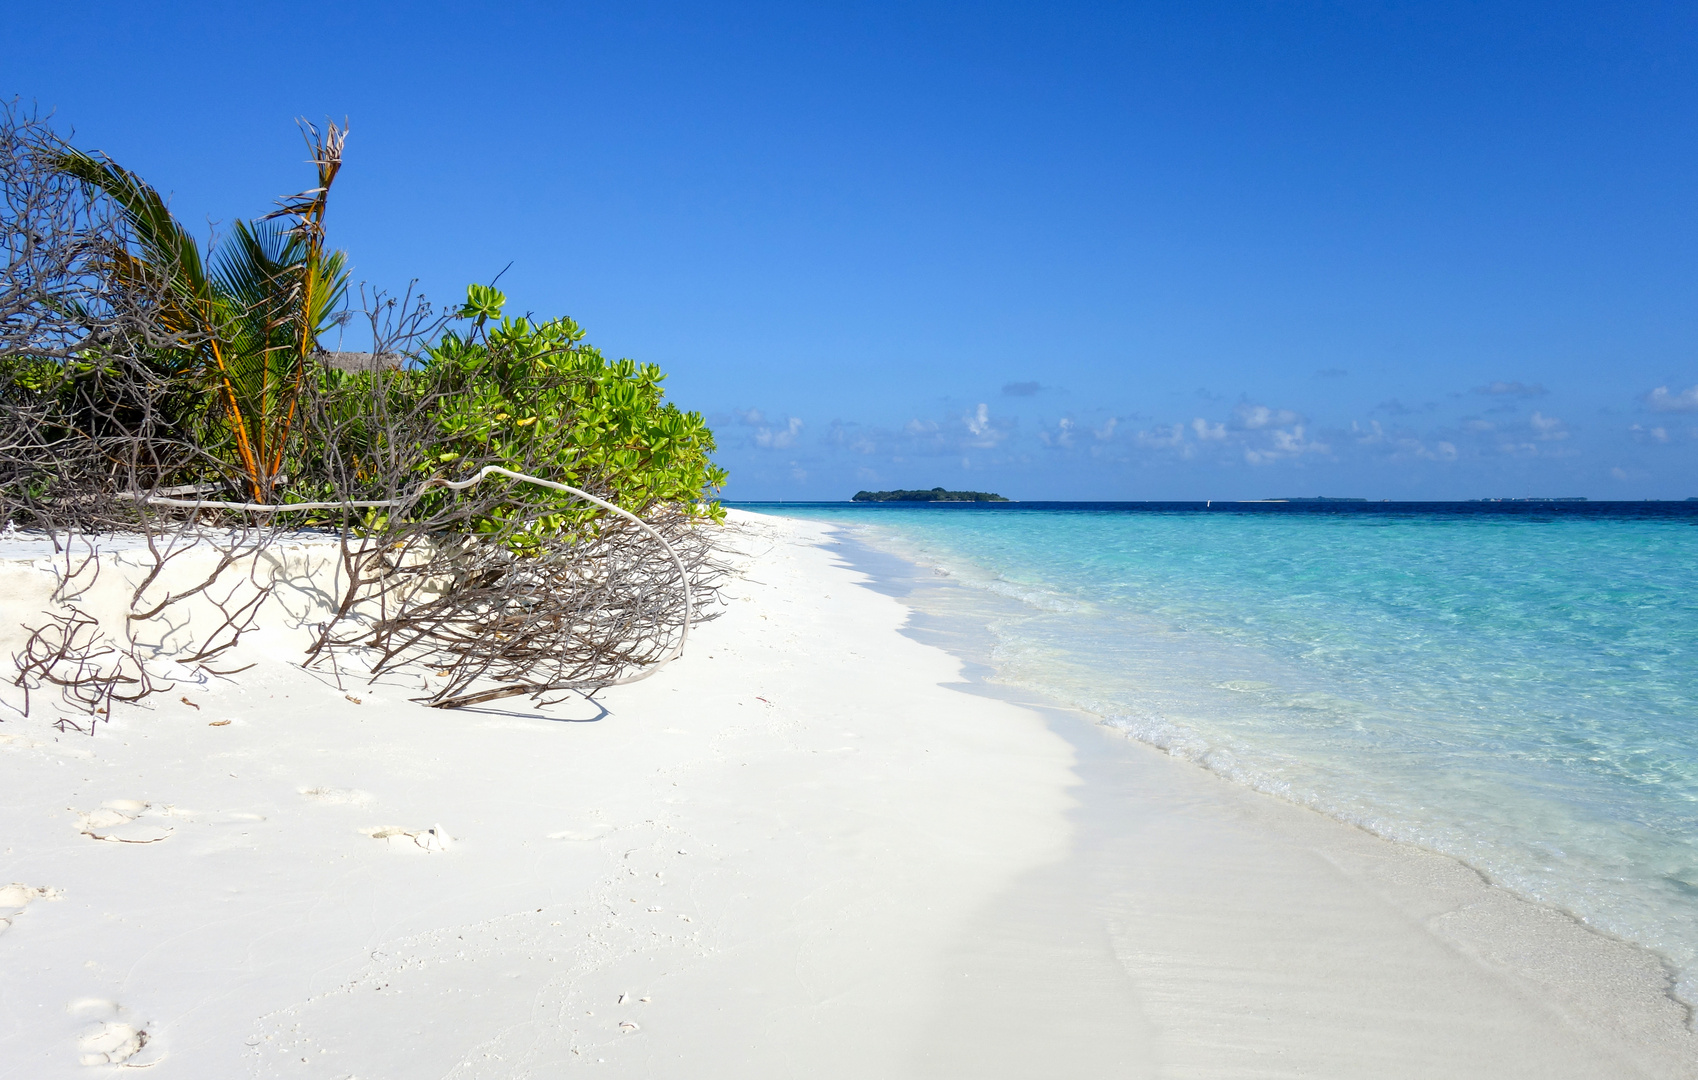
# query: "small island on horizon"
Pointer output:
{"type": "Point", "coordinates": [936, 494]}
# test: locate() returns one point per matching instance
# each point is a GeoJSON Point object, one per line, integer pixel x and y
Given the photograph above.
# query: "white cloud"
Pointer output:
{"type": "Point", "coordinates": [1293, 442]}
{"type": "Point", "coordinates": [779, 438]}
{"type": "Point", "coordinates": [1285, 444]}
{"type": "Point", "coordinates": [852, 436]}
{"type": "Point", "coordinates": [981, 429]}
{"type": "Point", "coordinates": [921, 438]}
{"type": "Point", "coordinates": [1258, 434]}
{"type": "Point", "coordinates": [1548, 427]}
{"type": "Point", "coordinates": [1256, 417]}
{"type": "Point", "coordinates": [1162, 435]}
{"type": "Point", "coordinates": [1063, 435]}
{"type": "Point", "coordinates": [1068, 431]}
{"type": "Point", "coordinates": [1662, 400]}
{"type": "Point", "coordinates": [1398, 444]}
{"type": "Point", "coordinates": [768, 435]}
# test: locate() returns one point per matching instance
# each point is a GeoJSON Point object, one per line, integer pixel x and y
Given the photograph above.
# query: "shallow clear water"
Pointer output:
{"type": "Point", "coordinates": [1516, 689]}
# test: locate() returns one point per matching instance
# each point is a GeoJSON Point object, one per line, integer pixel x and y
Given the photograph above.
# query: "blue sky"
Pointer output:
{"type": "Point", "coordinates": [1132, 251]}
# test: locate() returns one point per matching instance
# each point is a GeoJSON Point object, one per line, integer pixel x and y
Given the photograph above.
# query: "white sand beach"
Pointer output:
{"type": "Point", "coordinates": [808, 848]}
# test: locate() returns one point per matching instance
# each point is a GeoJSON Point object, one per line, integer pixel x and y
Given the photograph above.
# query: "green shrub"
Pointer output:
{"type": "Point", "coordinates": [535, 398]}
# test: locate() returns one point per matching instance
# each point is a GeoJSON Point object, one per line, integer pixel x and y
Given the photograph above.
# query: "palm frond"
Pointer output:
{"type": "Point", "coordinates": [166, 245]}
{"type": "Point", "coordinates": [250, 312]}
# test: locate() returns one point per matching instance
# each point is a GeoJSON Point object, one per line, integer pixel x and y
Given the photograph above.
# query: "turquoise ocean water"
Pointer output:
{"type": "Point", "coordinates": [1514, 685]}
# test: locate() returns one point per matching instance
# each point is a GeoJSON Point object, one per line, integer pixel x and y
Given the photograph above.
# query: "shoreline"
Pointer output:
{"type": "Point", "coordinates": [944, 603]}
{"type": "Point", "coordinates": [814, 844]}
{"type": "Point", "coordinates": [1612, 989]}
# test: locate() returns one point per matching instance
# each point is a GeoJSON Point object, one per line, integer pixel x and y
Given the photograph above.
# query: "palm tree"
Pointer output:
{"type": "Point", "coordinates": [246, 318]}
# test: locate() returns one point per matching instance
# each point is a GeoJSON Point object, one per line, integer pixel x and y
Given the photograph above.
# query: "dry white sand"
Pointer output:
{"type": "Point", "coordinates": [797, 852]}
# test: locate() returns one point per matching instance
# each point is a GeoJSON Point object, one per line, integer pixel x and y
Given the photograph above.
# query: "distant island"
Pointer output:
{"type": "Point", "coordinates": [936, 494]}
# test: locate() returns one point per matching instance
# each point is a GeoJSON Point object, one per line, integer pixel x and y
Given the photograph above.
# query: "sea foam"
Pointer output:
{"type": "Point", "coordinates": [1519, 691]}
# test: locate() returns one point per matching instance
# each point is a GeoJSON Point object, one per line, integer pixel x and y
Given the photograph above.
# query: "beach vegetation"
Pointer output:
{"type": "Point", "coordinates": [536, 395]}
{"type": "Point", "coordinates": [155, 384]}
{"type": "Point", "coordinates": [240, 321]}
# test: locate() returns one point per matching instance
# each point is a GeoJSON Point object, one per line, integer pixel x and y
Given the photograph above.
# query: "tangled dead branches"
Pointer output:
{"type": "Point", "coordinates": [481, 584]}
{"type": "Point", "coordinates": [168, 624]}
{"type": "Point", "coordinates": [90, 407]}
{"type": "Point", "coordinates": [54, 294]}
{"type": "Point", "coordinates": [70, 651]}
{"type": "Point", "coordinates": [566, 614]}
{"type": "Point", "coordinates": [501, 588]}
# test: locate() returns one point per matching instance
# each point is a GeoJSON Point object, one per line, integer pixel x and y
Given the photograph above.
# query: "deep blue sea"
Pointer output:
{"type": "Point", "coordinates": [1512, 684]}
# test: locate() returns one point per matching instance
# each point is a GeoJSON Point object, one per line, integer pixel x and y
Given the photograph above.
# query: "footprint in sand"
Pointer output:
{"type": "Point", "coordinates": [113, 1036]}
{"type": "Point", "coordinates": [432, 840]}
{"type": "Point", "coordinates": [15, 897]}
{"type": "Point", "coordinates": [125, 821]}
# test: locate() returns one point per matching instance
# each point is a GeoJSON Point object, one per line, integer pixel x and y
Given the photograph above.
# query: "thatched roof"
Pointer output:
{"type": "Point", "coordinates": [361, 361]}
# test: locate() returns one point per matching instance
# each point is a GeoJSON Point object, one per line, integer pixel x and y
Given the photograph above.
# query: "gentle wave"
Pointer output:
{"type": "Point", "coordinates": [1520, 693]}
